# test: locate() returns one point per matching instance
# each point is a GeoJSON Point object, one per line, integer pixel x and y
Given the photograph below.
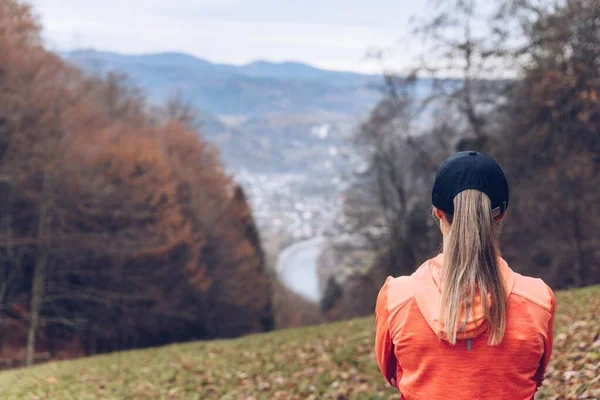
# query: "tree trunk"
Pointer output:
{"type": "Point", "coordinates": [37, 291]}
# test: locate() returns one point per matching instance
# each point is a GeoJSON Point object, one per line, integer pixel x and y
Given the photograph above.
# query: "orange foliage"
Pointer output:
{"type": "Point", "coordinates": [150, 241]}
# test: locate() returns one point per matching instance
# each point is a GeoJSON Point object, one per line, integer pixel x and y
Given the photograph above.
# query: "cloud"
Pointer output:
{"type": "Point", "coordinates": [336, 34]}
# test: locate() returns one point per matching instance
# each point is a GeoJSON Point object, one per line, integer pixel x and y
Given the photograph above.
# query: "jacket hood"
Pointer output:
{"type": "Point", "coordinates": [429, 294]}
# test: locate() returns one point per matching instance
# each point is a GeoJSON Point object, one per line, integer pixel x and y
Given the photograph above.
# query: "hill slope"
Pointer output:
{"type": "Point", "coordinates": [323, 362]}
{"type": "Point", "coordinates": [283, 128]}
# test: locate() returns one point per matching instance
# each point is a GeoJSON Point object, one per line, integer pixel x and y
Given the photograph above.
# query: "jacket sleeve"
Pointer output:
{"type": "Point", "coordinates": [548, 343]}
{"type": "Point", "coordinates": [384, 347]}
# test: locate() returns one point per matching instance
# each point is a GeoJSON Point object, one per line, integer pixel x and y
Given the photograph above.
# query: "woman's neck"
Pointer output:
{"type": "Point", "coordinates": [446, 238]}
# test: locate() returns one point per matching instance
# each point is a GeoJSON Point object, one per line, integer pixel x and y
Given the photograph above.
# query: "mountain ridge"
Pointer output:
{"type": "Point", "coordinates": [254, 89]}
{"type": "Point", "coordinates": [258, 67]}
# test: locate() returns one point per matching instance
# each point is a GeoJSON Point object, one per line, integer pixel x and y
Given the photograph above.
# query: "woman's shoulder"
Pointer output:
{"type": "Point", "coordinates": [396, 291]}
{"type": "Point", "coordinates": [534, 290]}
{"type": "Point", "coordinates": [400, 290]}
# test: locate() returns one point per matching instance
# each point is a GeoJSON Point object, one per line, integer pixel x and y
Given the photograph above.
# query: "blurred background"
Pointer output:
{"type": "Point", "coordinates": [188, 170]}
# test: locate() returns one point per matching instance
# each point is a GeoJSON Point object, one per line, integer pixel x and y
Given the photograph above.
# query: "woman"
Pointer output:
{"type": "Point", "coordinates": [464, 325]}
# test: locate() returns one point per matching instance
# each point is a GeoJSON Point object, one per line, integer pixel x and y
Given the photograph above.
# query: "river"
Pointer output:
{"type": "Point", "coordinates": [297, 267]}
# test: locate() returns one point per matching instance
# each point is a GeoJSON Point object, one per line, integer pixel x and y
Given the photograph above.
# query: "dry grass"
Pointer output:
{"type": "Point", "coordinates": [321, 362]}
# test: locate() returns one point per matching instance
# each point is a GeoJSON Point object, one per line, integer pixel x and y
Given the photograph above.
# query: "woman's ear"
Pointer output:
{"type": "Point", "coordinates": [438, 213]}
{"type": "Point", "coordinates": [500, 217]}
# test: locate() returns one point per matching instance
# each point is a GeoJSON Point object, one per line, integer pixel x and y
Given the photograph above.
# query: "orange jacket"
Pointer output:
{"type": "Point", "coordinates": [421, 366]}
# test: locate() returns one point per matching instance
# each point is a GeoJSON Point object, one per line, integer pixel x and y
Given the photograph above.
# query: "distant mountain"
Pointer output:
{"type": "Point", "coordinates": [295, 70]}
{"type": "Point", "coordinates": [252, 89]}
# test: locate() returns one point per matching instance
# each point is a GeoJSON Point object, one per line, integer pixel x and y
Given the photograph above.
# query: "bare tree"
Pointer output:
{"type": "Point", "coordinates": [39, 273]}
{"type": "Point", "coordinates": [513, 78]}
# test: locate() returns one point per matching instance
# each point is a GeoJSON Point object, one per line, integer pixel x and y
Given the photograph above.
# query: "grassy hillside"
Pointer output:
{"type": "Point", "coordinates": [323, 362]}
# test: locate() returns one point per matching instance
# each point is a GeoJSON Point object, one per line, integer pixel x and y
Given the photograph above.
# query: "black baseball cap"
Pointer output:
{"type": "Point", "coordinates": [470, 170]}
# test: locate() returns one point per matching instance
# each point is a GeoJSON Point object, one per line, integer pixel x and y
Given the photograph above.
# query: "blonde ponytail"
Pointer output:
{"type": "Point", "coordinates": [471, 266]}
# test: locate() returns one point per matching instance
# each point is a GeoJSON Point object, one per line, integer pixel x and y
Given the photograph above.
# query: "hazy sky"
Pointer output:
{"type": "Point", "coordinates": [334, 34]}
